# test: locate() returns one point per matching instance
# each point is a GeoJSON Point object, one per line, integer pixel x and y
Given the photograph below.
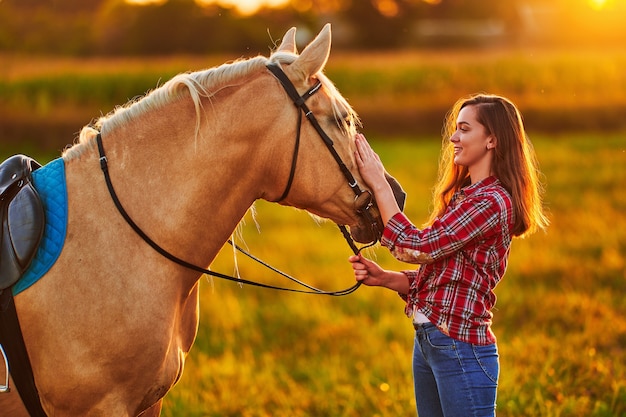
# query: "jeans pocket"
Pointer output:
{"type": "Point", "coordinates": [488, 359]}
{"type": "Point", "coordinates": [438, 340]}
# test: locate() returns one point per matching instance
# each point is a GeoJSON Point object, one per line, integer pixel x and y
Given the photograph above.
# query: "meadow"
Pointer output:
{"type": "Point", "coordinates": [559, 318]}
{"type": "Point", "coordinates": [561, 311]}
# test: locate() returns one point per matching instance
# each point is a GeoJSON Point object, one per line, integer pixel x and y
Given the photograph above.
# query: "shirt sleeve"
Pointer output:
{"type": "Point", "coordinates": [470, 219]}
{"type": "Point", "coordinates": [411, 276]}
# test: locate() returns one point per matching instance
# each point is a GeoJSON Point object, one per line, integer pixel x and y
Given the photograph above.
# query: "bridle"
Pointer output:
{"type": "Point", "coordinates": [300, 102]}
{"type": "Point", "coordinates": [363, 198]}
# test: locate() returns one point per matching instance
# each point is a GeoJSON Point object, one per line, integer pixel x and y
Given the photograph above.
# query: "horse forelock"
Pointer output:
{"type": "Point", "coordinates": [341, 107]}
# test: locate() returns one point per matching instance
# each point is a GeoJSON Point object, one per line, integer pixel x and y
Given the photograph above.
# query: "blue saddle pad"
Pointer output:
{"type": "Point", "coordinates": [49, 181]}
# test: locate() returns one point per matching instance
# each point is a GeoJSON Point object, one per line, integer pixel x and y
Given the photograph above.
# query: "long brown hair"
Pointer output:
{"type": "Point", "coordinates": [514, 162]}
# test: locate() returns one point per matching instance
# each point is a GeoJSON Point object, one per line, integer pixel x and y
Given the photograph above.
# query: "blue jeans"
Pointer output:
{"type": "Point", "coordinates": [453, 378]}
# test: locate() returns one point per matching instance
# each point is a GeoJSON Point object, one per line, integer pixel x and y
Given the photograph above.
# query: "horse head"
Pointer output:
{"type": "Point", "coordinates": [330, 173]}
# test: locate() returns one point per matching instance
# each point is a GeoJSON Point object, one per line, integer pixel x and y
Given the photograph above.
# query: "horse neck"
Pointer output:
{"type": "Point", "coordinates": [187, 191]}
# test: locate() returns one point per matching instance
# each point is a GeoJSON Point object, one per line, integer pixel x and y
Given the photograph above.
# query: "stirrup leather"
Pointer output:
{"type": "Point", "coordinates": [5, 388]}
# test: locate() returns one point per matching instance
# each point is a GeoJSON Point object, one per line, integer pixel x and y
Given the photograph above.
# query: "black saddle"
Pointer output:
{"type": "Point", "coordinates": [21, 216]}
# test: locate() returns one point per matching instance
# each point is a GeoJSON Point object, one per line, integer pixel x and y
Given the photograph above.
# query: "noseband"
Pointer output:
{"type": "Point", "coordinates": [362, 196]}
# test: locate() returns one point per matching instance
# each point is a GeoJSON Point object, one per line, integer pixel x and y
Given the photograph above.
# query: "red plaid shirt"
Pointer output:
{"type": "Point", "coordinates": [463, 254]}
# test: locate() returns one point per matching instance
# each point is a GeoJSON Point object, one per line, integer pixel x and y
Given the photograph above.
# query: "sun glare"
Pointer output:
{"type": "Point", "coordinates": [245, 7]}
{"type": "Point", "coordinates": [597, 4]}
{"type": "Point", "coordinates": [388, 8]}
{"type": "Point", "coordinates": [145, 1]}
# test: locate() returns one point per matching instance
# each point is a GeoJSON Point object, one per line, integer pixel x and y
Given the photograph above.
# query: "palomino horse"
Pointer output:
{"type": "Point", "coordinates": [109, 325]}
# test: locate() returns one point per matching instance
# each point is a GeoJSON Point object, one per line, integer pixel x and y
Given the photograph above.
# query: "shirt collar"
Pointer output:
{"type": "Point", "coordinates": [471, 189]}
{"type": "Point", "coordinates": [486, 182]}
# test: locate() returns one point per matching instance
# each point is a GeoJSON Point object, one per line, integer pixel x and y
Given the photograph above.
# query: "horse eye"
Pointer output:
{"type": "Point", "coordinates": [345, 119]}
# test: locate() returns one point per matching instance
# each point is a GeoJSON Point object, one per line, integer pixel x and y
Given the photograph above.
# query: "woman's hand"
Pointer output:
{"type": "Point", "coordinates": [366, 271]}
{"type": "Point", "coordinates": [371, 274]}
{"type": "Point", "coordinates": [370, 166]}
{"type": "Point", "coordinates": [373, 173]}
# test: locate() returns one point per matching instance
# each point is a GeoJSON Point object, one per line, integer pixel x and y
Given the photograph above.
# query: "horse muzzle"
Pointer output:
{"type": "Point", "coordinates": [370, 227]}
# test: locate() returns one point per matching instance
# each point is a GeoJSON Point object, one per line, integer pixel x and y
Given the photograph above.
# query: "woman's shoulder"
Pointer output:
{"type": "Point", "coordinates": [491, 189]}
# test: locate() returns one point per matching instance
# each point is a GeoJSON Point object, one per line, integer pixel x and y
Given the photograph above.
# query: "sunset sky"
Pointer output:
{"type": "Point", "coordinates": [244, 6]}
{"type": "Point", "coordinates": [250, 6]}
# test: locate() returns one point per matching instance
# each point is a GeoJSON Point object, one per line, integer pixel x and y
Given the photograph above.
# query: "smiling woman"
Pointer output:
{"type": "Point", "coordinates": [245, 7]}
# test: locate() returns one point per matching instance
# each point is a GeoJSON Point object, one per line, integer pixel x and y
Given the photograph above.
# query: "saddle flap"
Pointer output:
{"type": "Point", "coordinates": [22, 218]}
{"type": "Point", "coordinates": [25, 225]}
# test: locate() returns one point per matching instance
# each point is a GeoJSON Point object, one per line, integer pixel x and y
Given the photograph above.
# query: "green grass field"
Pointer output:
{"type": "Point", "coordinates": [560, 316]}
{"type": "Point", "coordinates": [561, 311]}
{"type": "Point", "coordinates": [50, 99]}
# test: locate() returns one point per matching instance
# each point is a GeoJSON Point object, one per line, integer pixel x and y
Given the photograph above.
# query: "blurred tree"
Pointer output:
{"type": "Point", "coordinates": [175, 26]}
{"type": "Point", "coordinates": [184, 26]}
{"type": "Point", "coordinates": [379, 24]}
{"type": "Point", "coordinates": [171, 27]}
{"type": "Point", "coordinates": [44, 30]}
{"type": "Point", "coordinates": [73, 6]}
{"type": "Point", "coordinates": [455, 20]}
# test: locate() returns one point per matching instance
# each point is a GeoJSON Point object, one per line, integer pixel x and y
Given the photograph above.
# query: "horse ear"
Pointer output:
{"type": "Point", "coordinates": [314, 57]}
{"type": "Point", "coordinates": [288, 44]}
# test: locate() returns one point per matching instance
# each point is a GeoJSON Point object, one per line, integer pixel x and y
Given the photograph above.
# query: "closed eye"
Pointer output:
{"type": "Point", "coordinates": [346, 119]}
{"type": "Point", "coordinates": [463, 126]}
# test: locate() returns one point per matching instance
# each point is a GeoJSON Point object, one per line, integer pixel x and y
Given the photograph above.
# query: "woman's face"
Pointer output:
{"type": "Point", "coordinates": [472, 144]}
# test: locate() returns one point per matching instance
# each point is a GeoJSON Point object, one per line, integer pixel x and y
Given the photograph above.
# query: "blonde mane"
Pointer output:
{"type": "Point", "coordinates": [197, 85]}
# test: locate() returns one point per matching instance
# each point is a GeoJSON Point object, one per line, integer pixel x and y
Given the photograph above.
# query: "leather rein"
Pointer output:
{"type": "Point", "coordinates": [299, 102]}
